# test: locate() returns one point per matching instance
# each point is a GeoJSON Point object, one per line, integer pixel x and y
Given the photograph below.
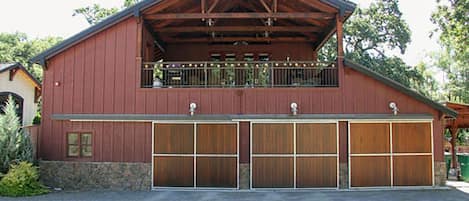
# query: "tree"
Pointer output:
{"type": "Point", "coordinates": [17, 47]}
{"type": "Point", "coordinates": [95, 13]}
{"type": "Point", "coordinates": [15, 144]}
{"type": "Point", "coordinates": [371, 35]}
{"type": "Point", "coordinates": [452, 19]}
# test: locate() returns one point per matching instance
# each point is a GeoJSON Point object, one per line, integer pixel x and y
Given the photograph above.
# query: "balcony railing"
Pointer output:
{"type": "Point", "coordinates": [234, 74]}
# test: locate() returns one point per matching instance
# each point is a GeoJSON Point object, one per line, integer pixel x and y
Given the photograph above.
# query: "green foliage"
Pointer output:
{"type": "Point", "coordinates": [37, 119]}
{"type": "Point", "coordinates": [95, 13]}
{"type": "Point", "coordinates": [371, 36]}
{"type": "Point", "coordinates": [452, 19]}
{"type": "Point", "coordinates": [21, 180]}
{"type": "Point", "coordinates": [15, 144]}
{"type": "Point", "coordinates": [17, 47]}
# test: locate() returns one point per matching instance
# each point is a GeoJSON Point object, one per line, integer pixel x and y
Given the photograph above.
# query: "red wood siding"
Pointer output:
{"type": "Point", "coordinates": [99, 76]}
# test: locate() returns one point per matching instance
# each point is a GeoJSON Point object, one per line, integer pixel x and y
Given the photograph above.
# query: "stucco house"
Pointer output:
{"type": "Point", "coordinates": [208, 94]}
{"type": "Point", "coordinates": [16, 81]}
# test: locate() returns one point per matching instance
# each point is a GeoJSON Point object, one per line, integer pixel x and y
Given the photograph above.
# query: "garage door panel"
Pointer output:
{"type": "Point", "coordinates": [275, 138]}
{"type": "Point", "coordinates": [370, 171]}
{"type": "Point", "coordinates": [216, 138]}
{"type": "Point", "coordinates": [369, 138]}
{"type": "Point", "coordinates": [316, 172]}
{"type": "Point", "coordinates": [270, 172]}
{"type": "Point", "coordinates": [412, 170]}
{"type": "Point", "coordinates": [217, 172]}
{"type": "Point", "coordinates": [316, 138]}
{"type": "Point", "coordinates": [405, 136]}
{"type": "Point", "coordinates": [174, 139]}
{"type": "Point", "coordinates": [173, 171]}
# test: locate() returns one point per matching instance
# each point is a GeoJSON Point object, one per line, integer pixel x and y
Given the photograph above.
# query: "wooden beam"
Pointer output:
{"type": "Point", "coordinates": [267, 8]}
{"type": "Point", "coordinates": [275, 6]}
{"type": "Point", "coordinates": [340, 38]}
{"type": "Point", "coordinates": [202, 6]}
{"type": "Point", "coordinates": [213, 6]}
{"type": "Point", "coordinates": [313, 21]}
{"type": "Point", "coordinates": [191, 29]}
{"type": "Point", "coordinates": [185, 16]}
{"type": "Point", "coordinates": [234, 39]}
{"type": "Point", "coordinates": [320, 6]}
{"type": "Point", "coordinates": [161, 6]}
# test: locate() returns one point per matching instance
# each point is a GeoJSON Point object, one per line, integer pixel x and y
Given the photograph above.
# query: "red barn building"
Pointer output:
{"type": "Point", "coordinates": [229, 94]}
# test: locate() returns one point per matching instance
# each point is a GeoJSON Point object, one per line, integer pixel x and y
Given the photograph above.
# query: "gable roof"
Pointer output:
{"type": "Point", "coordinates": [135, 10]}
{"type": "Point", "coordinates": [398, 86]}
{"type": "Point", "coordinates": [10, 66]}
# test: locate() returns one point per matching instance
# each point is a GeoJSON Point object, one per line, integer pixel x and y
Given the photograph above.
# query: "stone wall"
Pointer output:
{"type": "Point", "coordinates": [440, 173]}
{"type": "Point", "coordinates": [244, 176]}
{"type": "Point", "coordinates": [95, 175]}
{"type": "Point", "coordinates": [343, 175]}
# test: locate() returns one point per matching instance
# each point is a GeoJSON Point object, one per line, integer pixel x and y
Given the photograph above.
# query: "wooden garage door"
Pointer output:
{"type": "Point", "coordinates": [390, 154]}
{"type": "Point", "coordinates": [195, 155]}
{"type": "Point", "coordinates": [294, 155]}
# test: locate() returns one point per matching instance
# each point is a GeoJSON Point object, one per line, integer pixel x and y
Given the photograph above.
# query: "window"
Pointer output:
{"type": "Point", "coordinates": [79, 144]}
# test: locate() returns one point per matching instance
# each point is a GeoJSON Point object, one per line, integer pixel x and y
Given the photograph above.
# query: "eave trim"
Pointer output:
{"type": "Point", "coordinates": [206, 117]}
{"type": "Point", "coordinates": [398, 86]}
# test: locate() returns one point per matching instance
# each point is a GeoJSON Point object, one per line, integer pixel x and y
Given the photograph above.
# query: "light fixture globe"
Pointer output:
{"type": "Point", "coordinates": [192, 108]}
{"type": "Point", "coordinates": [294, 108]}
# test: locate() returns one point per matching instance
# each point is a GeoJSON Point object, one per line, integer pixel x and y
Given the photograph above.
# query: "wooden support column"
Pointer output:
{"type": "Point", "coordinates": [315, 56]}
{"type": "Point", "coordinates": [454, 135]}
{"type": "Point", "coordinates": [340, 48]}
{"type": "Point", "coordinates": [340, 40]}
{"type": "Point", "coordinates": [138, 58]}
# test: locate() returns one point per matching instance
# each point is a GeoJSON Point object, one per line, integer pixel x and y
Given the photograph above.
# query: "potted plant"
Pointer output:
{"type": "Point", "coordinates": [157, 76]}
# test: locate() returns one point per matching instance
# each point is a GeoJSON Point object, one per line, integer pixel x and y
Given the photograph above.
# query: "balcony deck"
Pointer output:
{"type": "Point", "coordinates": [238, 74]}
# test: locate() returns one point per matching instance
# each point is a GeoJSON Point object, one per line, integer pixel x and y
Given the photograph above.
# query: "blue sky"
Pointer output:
{"type": "Point", "coordinates": [39, 18]}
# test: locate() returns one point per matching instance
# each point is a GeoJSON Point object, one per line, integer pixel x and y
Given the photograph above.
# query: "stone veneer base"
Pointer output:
{"type": "Point", "coordinates": [244, 176]}
{"type": "Point", "coordinates": [95, 175]}
{"type": "Point", "coordinates": [137, 176]}
{"type": "Point", "coordinates": [440, 173]}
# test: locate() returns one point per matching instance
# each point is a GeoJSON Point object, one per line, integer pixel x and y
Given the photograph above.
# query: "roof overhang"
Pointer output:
{"type": "Point", "coordinates": [398, 86]}
{"type": "Point", "coordinates": [345, 9]}
{"type": "Point", "coordinates": [15, 67]}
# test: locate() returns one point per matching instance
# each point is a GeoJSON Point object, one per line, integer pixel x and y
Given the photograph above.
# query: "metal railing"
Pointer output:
{"type": "Point", "coordinates": [239, 74]}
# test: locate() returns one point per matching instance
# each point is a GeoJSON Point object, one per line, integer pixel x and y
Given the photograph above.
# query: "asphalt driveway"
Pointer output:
{"type": "Point", "coordinates": [401, 195]}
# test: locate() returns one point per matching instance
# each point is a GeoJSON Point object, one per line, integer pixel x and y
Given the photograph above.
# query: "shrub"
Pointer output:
{"type": "Point", "coordinates": [15, 144]}
{"type": "Point", "coordinates": [21, 180]}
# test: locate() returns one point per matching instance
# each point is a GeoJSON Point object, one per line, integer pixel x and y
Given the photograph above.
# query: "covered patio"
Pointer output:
{"type": "Point", "coordinates": [455, 125]}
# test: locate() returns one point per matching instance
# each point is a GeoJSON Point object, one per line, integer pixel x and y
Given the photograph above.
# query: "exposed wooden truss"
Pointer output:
{"type": "Point", "coordinates": [190, 29]}
{"type": "Point", "coordinates": [235, 39]}
{"type": "Point", "coordinates": [178, 21]}
{"type": "Point", "coordinates": [250, 15]}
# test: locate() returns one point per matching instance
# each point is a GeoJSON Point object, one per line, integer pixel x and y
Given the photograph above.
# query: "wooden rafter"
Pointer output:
{"type": "Point", "coordinates": [234, 39]}
{"type": "Point", "coordinates": [267, 8]}
{"type": "Point", "coordinates": [289, 15]}
{"type": "Point", "coordinates": [213, 6]}
{"type": "Point", "coordinates": [319, 6]}
{"type": "Point", "coordinates": [309, 20]}
{"type": "Point", "coordinates": [275, 6]}
{"type": "Point", "coordinates": [161, 6]}
{"type": "Point", "coordinates": [190, 29]}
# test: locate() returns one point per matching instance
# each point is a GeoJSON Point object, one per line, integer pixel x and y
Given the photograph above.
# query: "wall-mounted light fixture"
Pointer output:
{"type": "Point", "coordinates": [294, 108]}
{"type": "Point", "coordinates": [56, 83]}
{"type": "Point", "coordinates": [192, 108]}
{"type": "Point", "coordinates": [393, 107]}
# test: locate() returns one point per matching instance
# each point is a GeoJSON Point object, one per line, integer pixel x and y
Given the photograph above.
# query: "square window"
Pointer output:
{"type": "Point", "coordinates": [86, 151]}
{"type": "Point", "coordinates": [72, 138]}
{"type": "Point", "coordinates": [73, 150]}
{"type": "Point", "coordinates": [86, 139]}
{"type": "Point", "coordinates": [79, 144]}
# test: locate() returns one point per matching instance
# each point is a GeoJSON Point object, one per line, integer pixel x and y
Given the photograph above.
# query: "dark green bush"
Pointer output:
{"type": "Point", "coordinates": [21, 180]}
